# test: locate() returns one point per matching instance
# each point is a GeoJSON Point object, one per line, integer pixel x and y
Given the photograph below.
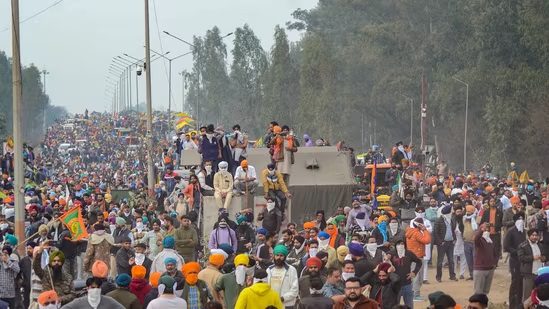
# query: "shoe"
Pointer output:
{"type": "Point", "coordinates": [454, 279]}
{"type": "Point", "coordinates": [439, 280]}
{"type": "Point", "coordinates": [461, 277]}
{"type": "Point", "coordinates": [469, 279]}
{"type": "Point", "coordinates": [418, 298]}
{"type": "Point", "coordinates": [426, 282]}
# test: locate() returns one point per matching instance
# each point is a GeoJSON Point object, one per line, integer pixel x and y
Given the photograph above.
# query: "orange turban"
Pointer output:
{"type": "Point", "coordinates": [515, 200]}
{"type": "Point", "coordinates": [470, 208]}
{"type": "Point", "coordinates": [190, 267]}
{"type": "Point", "coordinates": [100, 269]}
{"type": "Point", "coordinates": [154, 278]}
{"type": "Point", "coordinates": [309, 225]}
{"type": "Point", "coordinates": [277, 129]}
{"type": "Point", "coordinates": [217, 259]}
{"type": "Point", "coordinates": [47, 296]}
{"type": "Point", "coordinates": [138, 272]}
{"type": "Point", "coordinates": [244, 164]}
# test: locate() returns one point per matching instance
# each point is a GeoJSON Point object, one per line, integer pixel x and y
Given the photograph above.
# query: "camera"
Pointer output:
{"type": "Point", "coordinates": [139, 71]}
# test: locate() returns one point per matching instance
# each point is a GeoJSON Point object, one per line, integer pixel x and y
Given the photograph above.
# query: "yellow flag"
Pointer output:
{"type": "Point", "coordinates": [524, 178]}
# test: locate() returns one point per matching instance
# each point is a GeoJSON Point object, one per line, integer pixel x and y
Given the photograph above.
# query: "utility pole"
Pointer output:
{"type": "Point", "coordinates": [19, 174]}
{"type": "Point", "coordinates": [424, 95]}
{"type": "Point", "coordinates": [465, 130]}
{"type": "Point", "coordinates": [183, 73]}
{"type": "Point", "coordinates": [44, 73]}
{"type": "Point", "coordinates": [150, 167]}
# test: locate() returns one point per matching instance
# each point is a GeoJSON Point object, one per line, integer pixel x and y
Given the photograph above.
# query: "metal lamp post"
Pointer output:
{"type": "Point", "coordinates": [466, 115]}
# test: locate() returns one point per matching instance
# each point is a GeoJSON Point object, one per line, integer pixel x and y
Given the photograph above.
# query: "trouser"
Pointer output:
{"type": "Point", "coordinates": [469, 249]}
{"type": "Point", "coordinates": [279, 197]}
{"type": "Point", "coordinates": [80, 266]}
{"type": "Point", "coordinates": [189, 258]}
{"type": "Point", "coordinates": [407, 294]}
{"type": "Point", "coordinates": [219, 200]}
{"type": "Point", "coordinates": [483, 281]}
{"type": "Point", "coordinates": [527, 285]}
{"type": "Point", "coordinates": [515, 289]}
{"type": "Point", "coordinates": [9, 301]}
{"type": "Point", "coordinates": [418, 280]}
{"type": "Point", "coordinates": [70, 267]}
{"type": "Point", "coordinates": [425, 268]}
{"type": "Point", "coordinates": [462, 263]}
{"type": "Point", "coordinates": [496, 239]}
{"type": "Point", "coordinates": [112, 270]}
{"type": "Point", "coordinates": [26, 296]}
{"type": "Point", "coordinates": [241, 186]}
{"type": "Point", "coordinates": [445, 249]}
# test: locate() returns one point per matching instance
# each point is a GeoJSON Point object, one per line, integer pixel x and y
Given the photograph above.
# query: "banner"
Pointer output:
{"type": "Point", "coordinates": [72, 219]}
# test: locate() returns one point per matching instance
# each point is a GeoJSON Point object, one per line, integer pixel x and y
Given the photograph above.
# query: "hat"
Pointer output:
{"type": "Point", "coordinates": [308, 225]}
{"type": "Point", "coordinates": [43, 228]}
{"type": "Point", "coordinates": [338, 219]}
{"type": "Point", "coordinates": [356, 249]}
{"type": "Point", "coordinates": [120, 221]}
{"type": "Point", "coordinates": [280, 249]}
{"type": "Point", "coordinates": [168, 282]}
{"type": "Point", "coordinates": [446, 209]}
{"type": "Point", "coordinates": [138, 272]}
{"type": "Point", "coordinates": [241, 259]}
{"type": "Point", "coordinates": [170, 260]}
{"type": "Point", "coordinates": [470, 208]}
{"type": "Point", "coordinates": [154, 278]}
{"type": "Point", "coordinates": [100, 269]}
{"type": "Point", "coordinates": [314, 261]}
{"type": "Point", "coordinates": [244, 164]}
{"type": "Point", "coordinates": [47, 297]}
{"type": "Point", "coordinates": [59, 254]}
{"type": "Point", "coordinates": [123, 280]}
{"type": "Point", "coordinates": [262, 231]}
{"type": "Point", "coordinates": [190, 267]}
{"type": "Point", "coordinates": [227, 248]}
{"type": "Point", "coordinates": [219, 251]}
{"type": "Point", "coordinates": [433, 297]}
{"type": "Point", "coordinates": [168, 242]}
{"type": "Point", "coordinates": [323, 235]}
{"type": "Point", "coordinates": [216, 260]}
{"type": "Point", "coordinates": [360, 215]}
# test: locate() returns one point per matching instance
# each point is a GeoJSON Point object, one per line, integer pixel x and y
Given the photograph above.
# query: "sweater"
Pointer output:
{"type": "Point", "coordinates": [484, 258]}
{"type": "Point", "coordinates": [167, 301]}
{"type": "Point", "coordinates": [126, 298]}
{"type": "Point", "coordinates": [186, 240]}
{"type": "Point", "coordinates": [105, 303]}
{"type": "Point", "coordinates": [363, 303]}
{"type": "Point", "coordinates": [231, 289]}
{"type": "Point", "coordinates": [259, 295]}
{"type": "Point", "coordinates": [140, 288]}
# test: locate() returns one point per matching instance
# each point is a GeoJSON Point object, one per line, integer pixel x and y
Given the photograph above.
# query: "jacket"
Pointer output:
{"type": "Point", "coordinates": [210, 275]}
{"type": "Point", "coordinates": [140, 288]}
{"type": "Point", "coordinates": [316, 302]}
{"type": "Point", "coordinates": [259, 295]}
{"type": "Point", "coordinates": [526, 256]}
{"type": "Point", "coordinates": [8, 272]}
{"type": "Point", "coordinates": [185, 241]}
{"type": "Point", "coordinates": [275, 182]}
{"type": "Point", "coordinates": [485, 257]}
{"type": "Point", "coordinates": [63, 287]}
{"type": "Point", "coordinates": [210, 150]}
{"type": "Point", "coordinates": [289, 288]}
{"type": "Point", "coordinates": [122, 261]}
{"type": "Point", "coordinates": [511, 242]}
{"type": "Point", "coordinates": [389, 291]}
{"type": "Point", "coordinates": [363, 303]}
{"type": "Point", "coordinates": [231, 289]}
{"type": "Point", "coordinates": [439, 231]}
{"type": "Point", "coordinates": [125, 298]}
{"type": "Point", "coordinates": [403, 266]}
{"type": "Point", "coordinates": [99, 248]}
{"type": "Point", "coordinates": [82, 303]}
{"type": "Point", "coordinates": [223, 182]}
{"type": "Point", "coordinates": [203, 292]}
{"type": "Point", "coordinates": [271, 220]}
{"type": "Point", "coordinates": [416, 241]}
{"type": "Point", "coordinates": [499, 217]}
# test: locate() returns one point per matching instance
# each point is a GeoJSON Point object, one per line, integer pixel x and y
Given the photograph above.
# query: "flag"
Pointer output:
{"type": "Point", "coordinates": [373, 186]}
{"type": "Point", "coordinates": [524, 178]}
{"type": "Point", "coordinates": [399, 186]}
{"type": "Point", "coordinates": [182, 114]}
{"type": "Point", "coordinates": [180, 125]}
{"type": "Point", "coordinates": [45, 260]}
{"type": "Point", "coordinates": [72, 219]}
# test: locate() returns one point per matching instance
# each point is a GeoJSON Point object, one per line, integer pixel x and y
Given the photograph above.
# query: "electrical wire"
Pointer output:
{"type": "Point", "coordinates": [35, 14]}
{"type": "Point", "coordinates": [161, 47]}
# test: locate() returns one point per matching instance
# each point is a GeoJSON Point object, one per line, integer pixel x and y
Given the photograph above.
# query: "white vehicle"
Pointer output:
{"type": "Point", "coordinates": [64, 148]}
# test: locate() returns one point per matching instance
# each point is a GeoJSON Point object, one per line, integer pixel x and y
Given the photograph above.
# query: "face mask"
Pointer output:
{"type": "Point", "coordinates": [401, 148]}
{"type": "Point", "coordinates": [486, 236]}
{"type": "Point", "coordinates": [139, 225]}
{"type": "Point", "coordinates": [271, 172]}
{"type": "Point", "coordinates": [223, 224]}
{"type": "Point", "coordinates": [209, 135]}
{"type": "Point", "coordinates": [139, 258]}
{"type": "Point", "coordinates": [420, 215]}
{"type": "Point", "coordinates": [371, 247]}
{"type": "Point", "coordinates": [94, 297]}
{"type": "Point", "coordinates": [112, 226]}
{"type": "Point", "coordinates": [240, 274]}
{"type": "Point", "coordinates": [400, 251]}
{"type": "Point", "coordinates": [519, 224]}
{"type": "Point", "coordinates": [4, 226]}
{"type": "Point", "coordinates": [270, 206]}
{"type": "Point", "coordinates": [346, 276]}
{"type": "Point", "coordinates": [223, 169]}
{"type": "Point", "coordinates": [191, 279]}
{"type": "Point", "coordinates": [323, 243]}
{"type": "Point", "coordinates": [313, 252]}
{"type": "Point", "coordinates": [208, 168]}
{"type": "Point", "coordinates": [393, 226]}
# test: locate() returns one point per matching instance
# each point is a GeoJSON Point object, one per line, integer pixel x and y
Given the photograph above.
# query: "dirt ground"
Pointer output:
{"type": "Point", "coordinates": [461, 290]}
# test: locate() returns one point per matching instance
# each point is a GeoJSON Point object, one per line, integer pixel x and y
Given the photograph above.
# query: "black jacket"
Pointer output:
{"type": "Point", "coordinates": [511, 243]}
{"type": "Point", "coordinates": [439, 231]}
{"type": "Point", "coordinates": [271, 220]}
{"type": "Point", "coordinates": [499, 217]}
{"type": "Point", "coordinates": [526, 257]}
{"type": "Point", "coordinates": [403, 266]}
{"type": "Point", "coordinates": [389, 292]}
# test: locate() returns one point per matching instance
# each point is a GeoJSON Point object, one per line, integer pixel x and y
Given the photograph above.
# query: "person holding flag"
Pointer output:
{"type": "Point", "coordinates": [49, 268]}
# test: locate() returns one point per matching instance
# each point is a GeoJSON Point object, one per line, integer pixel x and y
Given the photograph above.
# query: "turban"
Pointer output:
{"type": "Point", "coordinates": [262, 231]}
{"type": "Point", "coordinates": [241, 259]}
{"type": "Point", "coordinates": [322, 255]}
{"type": "Point", "coordinates": [342, 252]}
{"type": "Point", "coordinates": [123, 280]}
{"type": "Point", "coordinates": [138, 272]}
{"type": "Point", "coordinates": [518, 215]}
{"type": "Point", "coordinates": [383, 267]}
{"type": "Point", "coordinates": [120, 221]}
{"type": "Point", "coordinates": [470, 208]}
{"type": "Point", "coordinates": [299, 239]}
{"type": "Point", "coordinates": [10, 239]}
{"type": "Point", "coordinates": [216, 260]}
{"type": "Point", "coordinates": [543, 270]}
{"type": "Point", "coordinates": [190, 267]}
{"type": "Point", "coordinates": [308, 225]}
{"type": "Point", "coordinates": [47, 297]}
{"type": "Point", "coordinates": [314, 261]}
{"type": "Point", "coordinates": [219, 251]}
{"type": "Point", "coordinates": [241, 219]}
{"type": "Point", "coordinates": [59, 254]}
{"type": "Point", "coordinates": [323, 235]}
{"type": "Point", "coordinates": [541, 279]}
{"type": "Point", "coordinates": [277, 129]}
{"type": "Point", "coordinates": [170, 260]}
{"type": "Point", "coordinates": [356, 249]}
{"type": "Point", "coordinates": [244, 164]}
{"type": "Point", "coordinates": [515, 200]}
{"type": "Point", "coordinates": [154, 278]}
{"type": "Point", "coordinates": [168, 282]}
{"type": "Point", "coordinates": [43, 228]}
{"type": "Point", "coordinates": [446, 209]}
{"type": "Point", "coordinates": [382, 218]}
{"type": "Point", "coordinates": [168, 242]}
{"type": "Point", "coordinates": [337, 220]}
{"type": "Point", "coordinates": [227, 248]}
{"type": "Point", "coordinates": [280, 249]}
{"type": "Point", "coordinates": [100, 269]}
{"type": "Point", "coordinates": [223, 164]}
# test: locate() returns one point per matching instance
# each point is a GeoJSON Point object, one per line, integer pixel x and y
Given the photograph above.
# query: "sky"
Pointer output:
{"type": "Point", "coordinates": [75, 40]}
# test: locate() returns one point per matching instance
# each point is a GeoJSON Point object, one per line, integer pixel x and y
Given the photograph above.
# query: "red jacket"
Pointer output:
{"type": "Point", "coordinates": [140, 288]}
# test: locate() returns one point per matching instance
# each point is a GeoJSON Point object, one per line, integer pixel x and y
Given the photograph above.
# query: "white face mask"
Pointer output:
{"type": "Point", "coordinates": [400, 251]}
{"type": "Point", "coordinates": [313, 252]}
{"type": "Point", "coordinates": [94, 297]}
{"type": "Point", "coordinates": [346, 276]}
{"type": "Point", "coordinates": [3, 226]}
{"type": "Point", "coordinates": [401, 148]}
{"type": "Point", "coordinates": [420, 215]}
{"type": "Point", "coordinates": [393, 226]}
{"type": "Point", "coordinates": [209, 135]}
{"type": "Point", "coordinates": [139, 225]}
{"type": "Point", "coordinates": [519, 224]}
{"type": "Point", "coordinates": [240, 274]}
{"type": "Point", "coordinates": [50, 306]}
{"type": "Point", "coordinates": [271, 172]}
{"type": "Point", "coordinates": [270, 206]}
{"type": "Point", "coordinates": [323, 243]}
{"type": "Point", "coordinates": [486, 236]}
{"type": "Point", "coordinates": [371, 247]}
{"type": "Point", "coordinates": [222, 169]}
{"type": "Point", "coordinates": [112, 226]}
{"type": "Point", "coordinates": [139, 258]}
{"type": "Point", "coordinates": [208, 168]}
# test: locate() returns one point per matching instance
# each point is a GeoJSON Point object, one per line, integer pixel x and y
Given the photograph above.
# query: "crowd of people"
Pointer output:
{"type": "Point", "coordinates": [148, 252]}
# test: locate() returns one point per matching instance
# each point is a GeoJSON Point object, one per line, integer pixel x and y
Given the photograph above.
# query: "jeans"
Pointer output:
{"type": "Point", "coordinates": [527, 285]}
{"type": "Point", "coordinates": [9, 301]}
{"type": "Point", "coordinates": [469, 249]}
{"type": "Point", "coordinates": [407, 293]}
{"type": "Point", "coordinates": [278, 196]}
{"type": "Point", "coordinates": [515, 289]}
{"type": "Point", "coordinates": [446, 248]}
{"type": "Point", "coordinates": [496, 239]}
{"type": "Point", "coordinates": [483, 281]}
{"type": "Point", "coordinates": [418, 280]}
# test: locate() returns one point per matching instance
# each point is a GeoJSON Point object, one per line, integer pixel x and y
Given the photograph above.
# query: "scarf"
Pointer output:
{"type": "Point", "coordinates": [383, 229]}
{"type": "Point", "coordinates": [473, 219]}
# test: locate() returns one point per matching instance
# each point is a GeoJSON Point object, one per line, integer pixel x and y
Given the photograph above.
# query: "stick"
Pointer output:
{"type": "Point", "coordinates": [28, 238]}
{"type": "Point", "coordinates": [49, 272]}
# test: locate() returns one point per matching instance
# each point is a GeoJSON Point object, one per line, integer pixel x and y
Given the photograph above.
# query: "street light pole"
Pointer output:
{"type": "Point", "coordinates": [44, 73]}
{"type": "Point", "coordinates": [183, 77]}
{"type": "Point", "coordinates": [150, 166]}
{"type": "Point", "coordinates": [411, 117]}
{"type": "Point", "coordinates": [466, 122]}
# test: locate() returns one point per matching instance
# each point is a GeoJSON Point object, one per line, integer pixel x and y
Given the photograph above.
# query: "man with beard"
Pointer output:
{"type": "Point", "coordinates": [159, 262]}
{"type": "Point", "coordinates": [283, 277]}
{"type": "Point", "coordinates": [385, 285]}
{"type": "Point", "coordinates": [186, 239]}
{"type": "Point", "coordinates": [234, 282]}
{"type": "Point", "coordinates": [444, 236]}
{"type": "Point", "coordinates": [333, 287]}
{"type": "Point", "coordinates": [53, 274]}
{"type": "Point", "coordinates": [245, 235]}
{"type": "Point", "coordinates": [315, 300]}
{"type": "Point", "coordinates": [172, 271]}
{"type": "Point", "coordinates": [211, 274]}
{"type": "Point", "coordinates": [532, 254]}
{"type": "Point", "coordinates": [141, 259]}
{"type": "Point", "coordinates": [513, 238]}
{"type": "Point", "coordinates": [313, 267]}
{"type": "Point", "coordinates": [271, 217]}
{"type": "Point", "coordinates": [297, 253]}
{"type": "Point", "coordinates": [402, 260]}
{"type": "Point", "coordinates": [125, 257]}
{"type": "Point", "coordinates": [153, 239]}
{"type": "Point", "coordinates": [26, 272]}
{"type": "Point", "coordinates": [354, 298]}
{"type": "Point", "coordinates": [94, 299]}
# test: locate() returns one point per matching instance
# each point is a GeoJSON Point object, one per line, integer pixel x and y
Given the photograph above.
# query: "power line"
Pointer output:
{"type": "Point", "coordinates": [160, 40]}
{"type": "Point", "coordinates": [35, 14]}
